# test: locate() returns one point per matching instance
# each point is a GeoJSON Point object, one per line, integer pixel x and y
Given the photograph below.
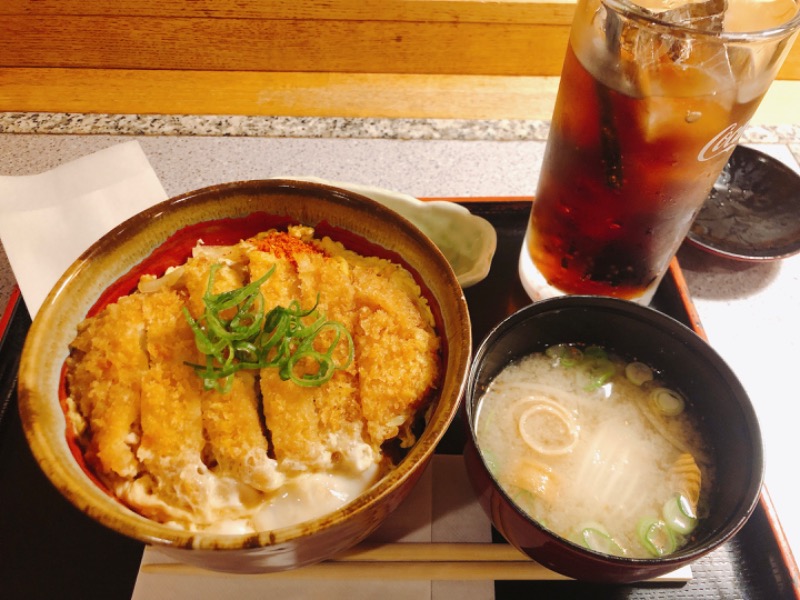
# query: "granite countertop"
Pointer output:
{"type": "Point", "coordinates": [319, 127]}
{"type": "Point", "coordinates": [281, 127]}
{"type": "Point", "coordinates": [746, 308]}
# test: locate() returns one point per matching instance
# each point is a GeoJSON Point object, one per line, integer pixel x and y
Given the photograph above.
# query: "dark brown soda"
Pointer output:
{"type": "Point", "coordinates": [622, 182]}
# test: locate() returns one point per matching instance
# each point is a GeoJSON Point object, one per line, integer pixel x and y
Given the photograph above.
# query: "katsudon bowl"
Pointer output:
{"type": "Point", "coordinates": [164, 236]}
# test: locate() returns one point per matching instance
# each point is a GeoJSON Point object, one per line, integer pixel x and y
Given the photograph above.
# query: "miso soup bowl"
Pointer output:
{"type": "Point", "coordinates": [156, 238]}
{"type": "Point", "coordinates": [715, 397]}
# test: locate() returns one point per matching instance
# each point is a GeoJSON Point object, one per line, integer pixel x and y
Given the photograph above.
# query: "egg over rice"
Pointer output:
{"type": "Point", "coordinates": [260, 452]}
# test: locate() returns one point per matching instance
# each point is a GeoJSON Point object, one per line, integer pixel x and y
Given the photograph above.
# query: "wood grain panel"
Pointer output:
{"type": "Point", "coordinates": [308, 94]}
{"type": "Point", "coordinates": [280, 94]}
{"type": "Point", "coordinates": [269, 45]}
{"type": "Point", "coordinates": [464, 11]}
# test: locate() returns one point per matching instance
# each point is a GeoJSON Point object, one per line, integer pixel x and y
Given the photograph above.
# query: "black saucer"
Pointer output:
{"type": "Point", "coordinates": [753, 211]}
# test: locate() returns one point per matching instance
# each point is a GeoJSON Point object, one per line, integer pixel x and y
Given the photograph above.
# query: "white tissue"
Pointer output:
{"type": "Point", "coordinates": [48, 220]}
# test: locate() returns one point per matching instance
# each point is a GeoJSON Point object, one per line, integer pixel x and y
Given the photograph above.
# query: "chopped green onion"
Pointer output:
{"type": "Point", "coordinates": [679, 514]}
{"type": "Point", "coordinates": [524, 498]}
{"type": "Point", "coordinates": [595, 352]}
{"type": "Point", "coordinates": [565, 355]}
{"type": "Point", "coordinates": [600, 371]}
{"type": "Point", "coordinates": [491, 461]}
{"type": "Point", "coordinates": [638, 373]}
{"type": "Point", "coordinates": [253, 340]}
{"type": "Point", "coordinates": [596, 538]}
{"type": "Point", "coordinates": [656, 537]}
{"type": "Point", "coordinates": [668, 402]}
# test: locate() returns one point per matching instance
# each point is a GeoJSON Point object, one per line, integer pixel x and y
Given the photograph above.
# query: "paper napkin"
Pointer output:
{"type": "Point", "coordinates": [48, 220]}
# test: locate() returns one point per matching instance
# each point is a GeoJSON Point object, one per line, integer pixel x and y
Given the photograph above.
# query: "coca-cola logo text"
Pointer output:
{"type": "Point", "coordinates": [724, 141]}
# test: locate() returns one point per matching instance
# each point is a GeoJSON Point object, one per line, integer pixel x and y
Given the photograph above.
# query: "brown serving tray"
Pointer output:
{"type": "Point", "coordinates": [50, 548]}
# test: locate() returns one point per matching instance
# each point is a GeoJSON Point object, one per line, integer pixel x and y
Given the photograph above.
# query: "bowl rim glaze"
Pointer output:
{"type": "Point", "coordinates": [657, 320]}
{"type": "Point", "coordinates": [42, 415]}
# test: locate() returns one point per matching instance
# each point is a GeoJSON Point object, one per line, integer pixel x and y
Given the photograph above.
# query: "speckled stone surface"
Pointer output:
{"type": "Point", "coordinates": [302, 127]}
{"type": "Point", "coordinates": [319, 127]}
{"type": "Point", "coordinates": [415, 167]}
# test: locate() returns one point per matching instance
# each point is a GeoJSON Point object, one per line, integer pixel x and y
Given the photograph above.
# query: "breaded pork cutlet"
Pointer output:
{"type": "Point", "coordinates": [232, 422]}
{"type": "Point", "coordinates": [311, 427]}
{"type": "Point", "coordinates": [395, 342]}
{"type": "Point", "coordinates": [339, 405]}
{"type": "Point", "coordinates": [172, 442]}
{"type": "Point", "coordinates": [330, 427]}
{"type": "Point", "coordinates": [107, 386]}
{"type": "Point", "coordinates": [289, 412]}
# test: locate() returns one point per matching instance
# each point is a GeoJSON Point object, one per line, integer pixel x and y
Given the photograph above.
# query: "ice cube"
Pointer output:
{"type": "Point", "coordinates": [755, 65]}
{"type": "Point", "coordinates": [654, 48]}
{"type": "Point", "coordinates": [755, 15]}
{"type": "Point", "coordinates": [677, 65]}
{"type": "Point", "coordinates": [705, 15]}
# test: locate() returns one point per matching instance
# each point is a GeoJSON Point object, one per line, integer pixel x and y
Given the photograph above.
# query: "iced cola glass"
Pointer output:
{"type": "Point", "coordinates": [651, 104]}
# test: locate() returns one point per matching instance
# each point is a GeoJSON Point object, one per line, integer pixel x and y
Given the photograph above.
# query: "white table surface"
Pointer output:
{"type": "Point", "coordinates": [751, 312]}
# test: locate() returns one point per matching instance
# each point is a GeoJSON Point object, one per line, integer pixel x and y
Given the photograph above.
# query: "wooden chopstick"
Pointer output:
{"type": "Point", "coordinates": [394, 571]}
{"type": "Point", "coordinates": [431, 552]}
{"type": "Point", "coordinates": [413, 561]}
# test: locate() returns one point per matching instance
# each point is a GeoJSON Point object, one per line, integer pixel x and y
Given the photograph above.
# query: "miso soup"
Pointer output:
{"type": "Point", "coordinates": [597, 449]}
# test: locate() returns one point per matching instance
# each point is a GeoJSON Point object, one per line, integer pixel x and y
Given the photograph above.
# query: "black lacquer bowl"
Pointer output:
{"type": "Point", "coordinates": [715, 396]}
{"type": "Point", "coordinates": [753, 211]}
